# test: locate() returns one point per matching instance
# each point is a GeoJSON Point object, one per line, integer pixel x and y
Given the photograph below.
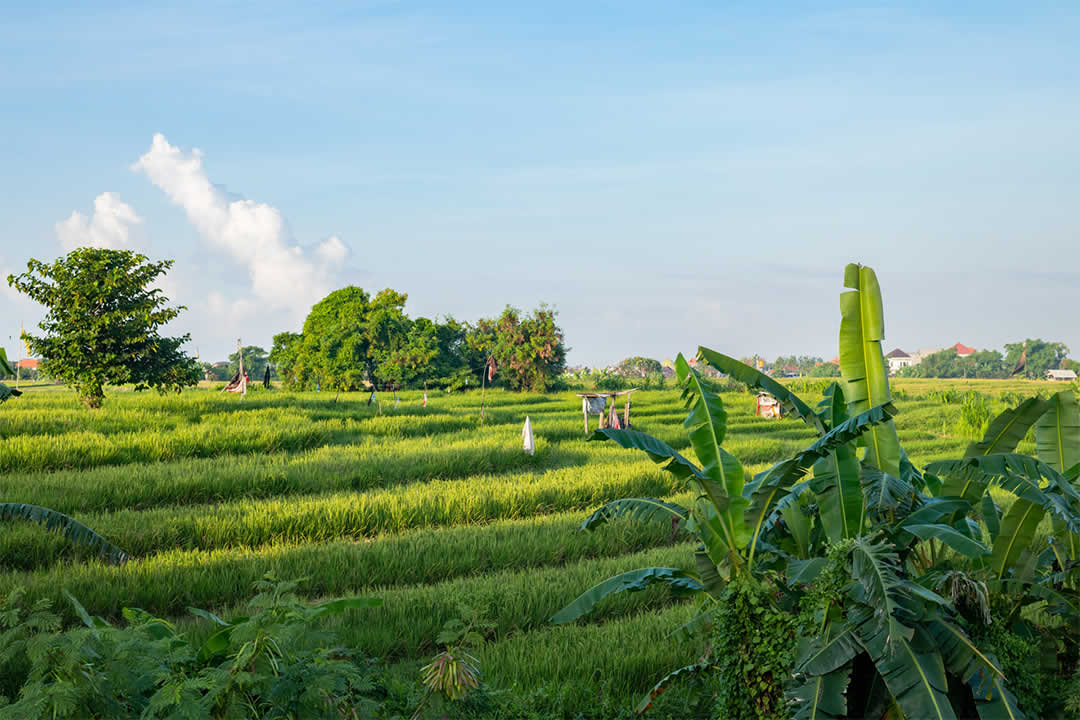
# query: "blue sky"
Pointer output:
{"type": "Point", "coordinates": [664, 174]}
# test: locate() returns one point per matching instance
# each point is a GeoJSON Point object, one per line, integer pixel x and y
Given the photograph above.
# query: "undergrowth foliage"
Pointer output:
{"type": "Point", "coordinates": [271, 664]}
{"type": "Point", "coordinates": [753, 646]}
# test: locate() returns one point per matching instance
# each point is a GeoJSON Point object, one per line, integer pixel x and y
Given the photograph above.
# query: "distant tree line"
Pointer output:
{"type": "Point", "coordinates": [1039, 356]}
{"type": "Point", "coordinates": [351, 340]}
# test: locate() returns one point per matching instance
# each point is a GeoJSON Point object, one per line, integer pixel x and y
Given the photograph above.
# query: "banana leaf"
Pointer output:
{"type": "Point", "coordinates": [632, 581]}
{"type": "Point", "coordinates": [963, 658]}
{"type": "Point", "coordinates": [823, 670]}
{"type": "Point", "coordinates": [708, 574]}
{"type": "Point", "coordinates": [885, 495]}
{"type": "Point", "coordinates": [724, 475]}
{"type": "Point", "coordinates": [915, 679]}
{"type": "Point", "coordinates": [862, 363]}
{"type": "Point", "coordinates": [1024, 476]}
{"type": "Point", "coordinates": [835, 647]}
{"type": "Point", "coordinates": [760, 381]}
{"type": "Point", "coordinates": [839, 493]}
{"type": "Point", "coordinates": [336, 607]}
{"type": "Point", "coordinates": [643, 509]}
{"type": "Point", "coordinates": [1057, 432]}
{"type": "Point", "coordinates": [5, 368]}
{"type": "Point", "coordinates": [968, 477]}
{"type": "Point", "coordinates": [875, 567]}
{"type": "Point", "coordinates": [993, 701]}
{"type": "Point", "coordinates": [821, 697]}
{"type": "Point", "coordinates": [1009, 428]}
{"type": "Point", "coordinates": [805, 572]}
{"type": "Point", "coordinates": [991, 515]}
{"type": "Point", "coordinates": [768, 488]}
{"type": "Point", "coordinates": [72, 529]}
{"type": "Point", "coordinates": [947, 535]}
{"type": "Point", "coordinates": [658, 451]}
{"type": "Point", "coordinates": [1015, 536]}
{"type": "Point", "coordinates": [934, 509]}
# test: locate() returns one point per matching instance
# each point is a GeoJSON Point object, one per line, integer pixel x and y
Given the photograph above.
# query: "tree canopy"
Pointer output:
{"type": "Point", "coordinates": [528, 349]}
{"type": "Point", "coordinates": [350, 340]}
{"type": "Point", "coordinates": [1041, 356]}
{"type": "Point", "coordinates": [102, 323]}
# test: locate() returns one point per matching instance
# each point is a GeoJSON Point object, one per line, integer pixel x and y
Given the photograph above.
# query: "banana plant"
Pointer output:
{"type": "Point", "coordinates": [729, 516]}
{"type": "Point", "coordinates": [866, 519]}
{"type": "Point", "coordinates": [1024, 569]}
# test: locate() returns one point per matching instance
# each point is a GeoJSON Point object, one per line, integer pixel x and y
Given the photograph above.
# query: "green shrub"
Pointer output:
{"type": "Point", "coordinates": [754, 650]}
{"type": "Point", "coordinates": [1040, 691]}
{"type": "Point", "coordinates": [268, 665]}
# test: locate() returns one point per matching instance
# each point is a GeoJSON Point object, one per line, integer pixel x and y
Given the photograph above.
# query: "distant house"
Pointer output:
{"type": "Point", "coordinates": [669, 372]}
{"type": "Point", "coordinates": [27, 363]}
{"type": "Point", "coordinates": [899, 359]}
{"type": "Point", "coordinates": [919, 355]}
{"type": "Point", "coordinates": [963, 350]}
{"type": "Point", "coordinates": [1060, 375]}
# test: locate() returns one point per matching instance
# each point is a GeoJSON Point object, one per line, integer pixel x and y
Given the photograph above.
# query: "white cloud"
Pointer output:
{"type": "Point", "coordinates": [110, 226]}
{"type": "Point", "coordinates": [282, 274]}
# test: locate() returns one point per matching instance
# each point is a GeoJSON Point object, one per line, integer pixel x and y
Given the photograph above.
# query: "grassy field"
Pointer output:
{"type": "Point", "coordinates": [423, 507]}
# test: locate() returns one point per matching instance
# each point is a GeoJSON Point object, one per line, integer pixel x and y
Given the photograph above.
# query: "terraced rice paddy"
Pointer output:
{"type": "Point", "coordinates": [423, 507]}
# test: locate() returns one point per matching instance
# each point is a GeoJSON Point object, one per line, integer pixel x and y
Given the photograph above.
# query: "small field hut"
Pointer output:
{"type": "Point", "coordinates": [597, 403]}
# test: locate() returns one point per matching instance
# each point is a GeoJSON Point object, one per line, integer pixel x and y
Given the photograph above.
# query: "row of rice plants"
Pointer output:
{"type": "Point", "coordinates": [410, 618]}
{"type": "Point", "coordinates": [318, 518]}
{"type": "Point", "coordinates": [368, 463]}
{"type": "Point", "coordinates": [170, 581]}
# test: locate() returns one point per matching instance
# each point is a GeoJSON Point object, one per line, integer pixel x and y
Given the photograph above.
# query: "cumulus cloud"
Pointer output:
{"type": "Point", "coordinates": [109, 227]}
{"type": "Point", "coordinates": [282, 274]}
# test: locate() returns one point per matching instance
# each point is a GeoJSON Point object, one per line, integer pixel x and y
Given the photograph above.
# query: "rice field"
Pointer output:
{"type": "Point", "coordinates": [421, 506]}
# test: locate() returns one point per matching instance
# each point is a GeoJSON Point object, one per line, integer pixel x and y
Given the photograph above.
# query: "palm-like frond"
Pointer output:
{"type": "Point", "coordinates": [915, 679]}
{"type": "Point", "coordinates": [862, 363]}
{"type": "Point", "coordinates": [1057, 432]}
{"type": "Point", "coordinates": [70, 528]}
{"type": "Point", "coordinates": [760, 381]}
{"type": "Point", "coordinates": [1009, 428]}
{"type": "Point", "coordinates": [643, 509]}
{"type": "Point", "coordinates": [632, 581]}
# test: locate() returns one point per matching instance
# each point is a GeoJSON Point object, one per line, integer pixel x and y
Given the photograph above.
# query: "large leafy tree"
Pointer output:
{"type": "Point", "coordinates": [1041, 355]}
{"type": "Point", "coordinates": [639, 367]}
{"type": "Point", "coordinates": [335, 348]}
{"type": "Point", "coordinates": [947, 364]}
{"type": "Point", "coordinates": [284, 356]}
{"type": "Point", "coordinates": [528, 349]}
{"type": "Point", "coordinates": [102, 323]}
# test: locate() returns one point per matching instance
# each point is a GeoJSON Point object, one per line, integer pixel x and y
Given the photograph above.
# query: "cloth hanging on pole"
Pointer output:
{"type": "Point", "coordinates": [615, 423]}
{"type": "Point", "coordinates": [266, 378]}
{"type": "Point", "coordinates": [527, 436]}
{"type": "Point", "coordinates": [491, 368]}
{"type": "Point", "coordinates": [238, 384]}
{"type": "Point", "coordinates": [424, 404]}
